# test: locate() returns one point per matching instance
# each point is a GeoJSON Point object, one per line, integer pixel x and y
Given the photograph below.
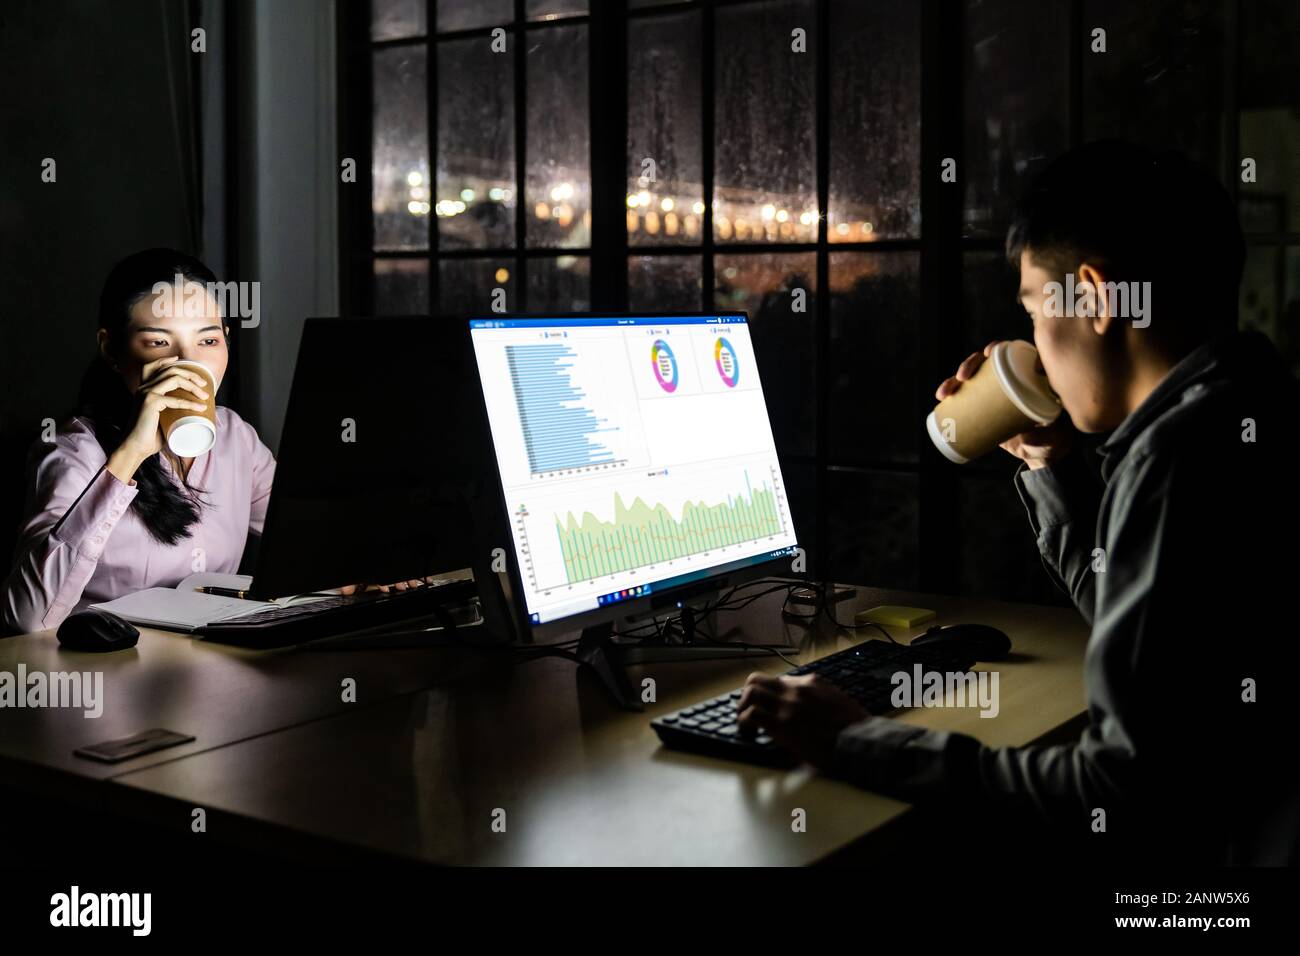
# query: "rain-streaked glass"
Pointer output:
{"type": "Point", "coordinates": [401, 287]}
{"type": "Point", "coordinates": [875, 121]}
{"type": "Point", "coordinates": [557, 208]}
{"type": "Point", "coordinates": [554, 9]}
{"type": "Point", "coordinates": [873, 522]}
{"type": "Point", "coordinates": [660, 283]}
{"type": "Point", "coordinates": [765, 186]}
{"type": "Point", "coordinates": [471, 14]}
{"type": "Point", "coordinates": [400, 156]}
{"type": "Point", "coordinates": [665, 198]}
{"type": "Point", "coordinates": [874, 355]}
{"type": "Point", "coordinates": [1161, 80]}
{"type": "Point", "coordinates": [1016, 103]}
{"type": "Point", "coordinates": [559, 284]}
{"type": "Point", "coordinates": [395, 19]}
{"type": "Point", "coordinates": [475, 200]}
{"type": "Point", "coordinates": [1268, 103]}
{"type": "Point", "coordinates": [470, 285]}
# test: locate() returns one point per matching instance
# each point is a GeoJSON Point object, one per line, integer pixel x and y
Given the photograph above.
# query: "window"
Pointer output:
{"type": "Point", "coordinates": [768, 155]}
{"type": "Point", "coordinates": [494, 208]}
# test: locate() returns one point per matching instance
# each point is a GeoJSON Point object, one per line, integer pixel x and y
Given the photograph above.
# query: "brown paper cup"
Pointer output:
{"type": "Point", "coordinates": [1006, 396]}
{"type": "Point", "coordinates": [190, 433]}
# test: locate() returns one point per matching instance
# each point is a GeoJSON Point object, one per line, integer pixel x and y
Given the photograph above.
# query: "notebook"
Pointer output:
{"type": "Point", "coordinates": [184, 609]}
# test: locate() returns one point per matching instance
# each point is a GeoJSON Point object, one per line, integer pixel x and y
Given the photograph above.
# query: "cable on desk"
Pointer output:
{"type": "Point", "coordinates": [684, 624]}
{"type": "Point", "coordinates": [665, 628]}
{"type": "Point", "coordinates": [823, 607]}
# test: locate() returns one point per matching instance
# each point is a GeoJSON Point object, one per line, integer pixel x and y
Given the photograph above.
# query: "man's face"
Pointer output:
{"type": "Point", "coordinates": [1073, 354]}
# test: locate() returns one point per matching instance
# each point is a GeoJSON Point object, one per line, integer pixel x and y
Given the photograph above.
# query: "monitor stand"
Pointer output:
{"type": "Point", "coordinates": [598, 650]}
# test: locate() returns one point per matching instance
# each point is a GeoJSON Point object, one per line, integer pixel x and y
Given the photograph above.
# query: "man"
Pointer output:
{"type": "Point", "coordinates": [1180, 556]}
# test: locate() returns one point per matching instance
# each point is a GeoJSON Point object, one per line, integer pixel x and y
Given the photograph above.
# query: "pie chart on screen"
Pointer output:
{"type": "Point", "coordinates": [665, 365]}
{"type": "Point", "coordinates": [728, 365]}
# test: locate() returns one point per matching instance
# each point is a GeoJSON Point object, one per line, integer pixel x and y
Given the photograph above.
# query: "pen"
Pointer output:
{"type": "Point", "coordinates": [226, 592]}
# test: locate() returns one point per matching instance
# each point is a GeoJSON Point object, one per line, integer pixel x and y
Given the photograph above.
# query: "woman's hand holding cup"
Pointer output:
{"type": "Point", "coordinates": [157, 379]}
{"type": "Point", "coordinates": [145, 438]}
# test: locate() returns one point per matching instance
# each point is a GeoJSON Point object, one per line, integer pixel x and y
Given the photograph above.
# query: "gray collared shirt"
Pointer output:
{"type": "Point", "coordinates": [1179, 556]}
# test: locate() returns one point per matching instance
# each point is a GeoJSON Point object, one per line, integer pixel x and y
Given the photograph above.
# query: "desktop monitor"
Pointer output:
{"type": "Point", "coordinates": [380, 471]}
{"type": "Point", "coordinates": [636, 461]}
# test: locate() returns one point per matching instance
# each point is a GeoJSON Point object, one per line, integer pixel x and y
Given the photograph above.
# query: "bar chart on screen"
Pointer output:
{"type": "Point", "coordinates": [576, 408]}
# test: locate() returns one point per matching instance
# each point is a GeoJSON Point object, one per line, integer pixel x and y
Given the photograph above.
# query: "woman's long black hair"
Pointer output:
{"type": "Point", "coordinates": [168, 509]}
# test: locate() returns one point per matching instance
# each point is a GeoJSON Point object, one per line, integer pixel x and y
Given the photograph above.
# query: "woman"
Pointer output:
{"type": "Point", "coordinates": [111, 509]}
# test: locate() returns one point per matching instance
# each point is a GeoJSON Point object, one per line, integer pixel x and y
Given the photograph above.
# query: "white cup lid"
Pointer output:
{"type": "Point", "coordinates": [192, 436]}
{"type": "Point", "coordinates": [194, 363]}
{"type": "Point", "coordinates": [1016, 364]}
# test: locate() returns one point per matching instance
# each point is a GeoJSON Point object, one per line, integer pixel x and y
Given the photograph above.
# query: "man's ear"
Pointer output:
{"type": "Point", "coordinates": [1098, 307]}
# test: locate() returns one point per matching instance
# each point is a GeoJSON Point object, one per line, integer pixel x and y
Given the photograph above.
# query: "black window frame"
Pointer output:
{"type": "Point", "coordinates": [941, 244]}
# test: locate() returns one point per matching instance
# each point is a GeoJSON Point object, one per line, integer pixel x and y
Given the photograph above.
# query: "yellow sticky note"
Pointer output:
{"type": "Point", "coordinates": [895, 615]}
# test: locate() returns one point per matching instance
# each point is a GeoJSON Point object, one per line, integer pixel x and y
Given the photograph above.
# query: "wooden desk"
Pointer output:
{"type": "Point", "coordinates": [219, 694]}
{"type": "Point", "coordinates": [419, 773]}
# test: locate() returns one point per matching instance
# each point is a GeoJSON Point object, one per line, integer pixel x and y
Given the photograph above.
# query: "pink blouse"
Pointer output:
{"type": "Point", "coordinates": [82, 544]}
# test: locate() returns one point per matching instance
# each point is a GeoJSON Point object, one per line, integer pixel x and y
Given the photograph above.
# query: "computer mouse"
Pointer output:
{"type": "Point", "coordinates": [983, 641]}
{"type": "Point", "coordinates": [92, 630]}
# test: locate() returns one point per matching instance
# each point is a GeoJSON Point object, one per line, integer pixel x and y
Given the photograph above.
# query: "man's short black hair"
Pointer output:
{"type": "Point", "coordinates": [1140, 216]}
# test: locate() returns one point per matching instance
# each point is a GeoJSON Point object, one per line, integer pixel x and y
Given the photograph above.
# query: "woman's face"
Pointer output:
{"type": "Point", "coordinates": [187, 325]}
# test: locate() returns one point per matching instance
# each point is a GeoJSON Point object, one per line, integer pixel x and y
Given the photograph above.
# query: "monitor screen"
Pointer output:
{"type": "Point", "coordinates": [635, 454]}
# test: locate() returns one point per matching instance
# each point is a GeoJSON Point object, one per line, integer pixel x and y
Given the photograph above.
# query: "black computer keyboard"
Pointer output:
{"type": "Point", "coordinates": [340, 614]}
{"type": "Point", "coordinates": [863, 672]}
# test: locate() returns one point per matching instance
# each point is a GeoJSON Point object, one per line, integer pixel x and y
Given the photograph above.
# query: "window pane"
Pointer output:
{"type": "Point", "coordinates": [1017, 102]}
{"type": "Point", "coordinates": [468, 14]}
{"type": "Point", "coordinates": [1270, 298]}
{"type": "Point", "coordinates": [562, 284]}
{"type": "Point", "coordinates": [664, 283]}
{"type": "Point", "coordinates": [558, 179]}
{"type": "Point", "coordinates": [1270, 115]}
{"type": "Point", "coordinates": [767, 287]}
{"type": "Point", "coordinates": [554, 9]}
{"type": "Point", "coordinates": [990, 309]}
{"type": "Point", "coordinates": [469, 285]}
{"type": "Point", "coordinates": [764, 143]}
{"type": "Point", "coordinates": [1271, 137]}
{"type": "Point", "coordinates": [875, 309]}
{"type": "Point", "coordinates": [999, 557]}
{"type": "Point", "coordinates": [393, 19]}
{"type": "Point", "coordinates": [874, 528]}
{"type": "Point", "coordinates": [476, 146]}
{"type": "Point", "coordinates": [1160, 81]}
{"type": "Point", "coordinates": [401, 287]}
{"type": "Point", "coordinates": [665, 199]}
{"type": "Point", "coordinates": [401, 150]}
{"type": "Point", "coordinates": [875, 130]}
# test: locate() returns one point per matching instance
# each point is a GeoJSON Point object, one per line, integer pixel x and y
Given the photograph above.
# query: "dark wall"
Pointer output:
{"type": "Point", "coordinates": [101, 87]}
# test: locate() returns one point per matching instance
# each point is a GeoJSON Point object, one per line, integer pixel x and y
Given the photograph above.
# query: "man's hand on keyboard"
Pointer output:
{"type": "Point", "coordinates": [385, 588]}
{"type": "Point", "coordinates": [802, 714]}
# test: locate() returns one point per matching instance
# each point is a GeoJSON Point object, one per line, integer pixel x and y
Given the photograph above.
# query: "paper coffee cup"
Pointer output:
{"type": "Point", "coordinates": [190, 433]}
{"type": "Point", "coordinates": [1006, 396]}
